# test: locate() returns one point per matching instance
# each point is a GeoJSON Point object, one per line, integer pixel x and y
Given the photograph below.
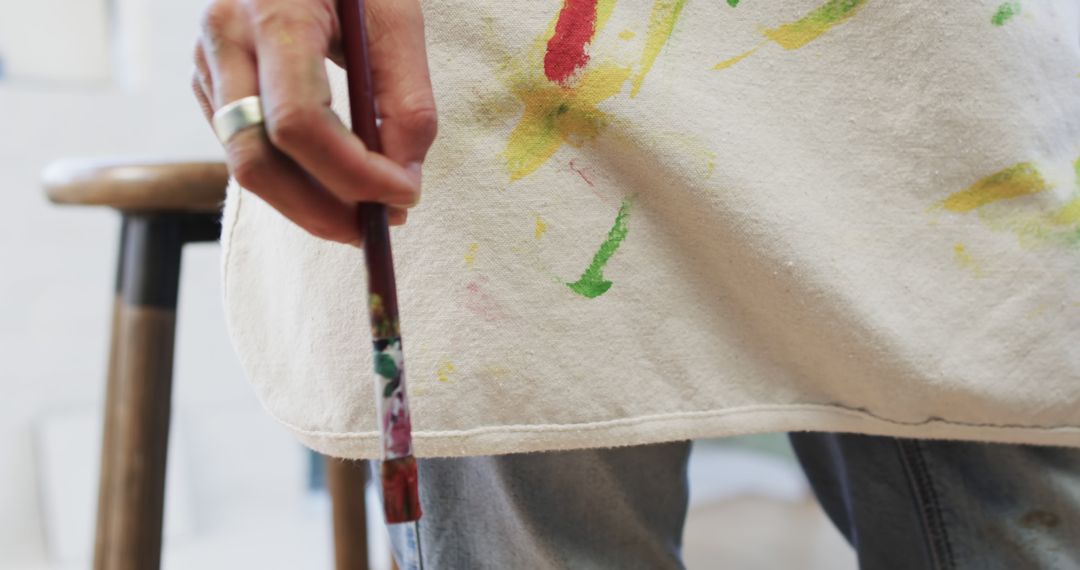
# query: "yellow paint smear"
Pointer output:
{"type": "Point", "coordinates": [1068, 214]}
{"type": "Point", "coordinates": [541, 227]}
{"type": "Point", "coordinates": [797, 34]}
{"type": "Point", "coordinates": [627, 35]}
{"type": "Point", "coordinates": [964, 259]}
{"type": "Point", "coordinates": [661, 24]}
{"type": "Point", "coordinates": [470, 255]}
{"type": "Point", "coordinates": [1020, 180]}
{"type": "Point", "coordinates": [556, 115]}
{"type": "Point", "coordinates": [444, 371]}
{"type": "Point", "coordinates": [730, 62]}
{"type": "Point", "coordinates": [496, 373]}
{"type": "Point", "coordinates": [604, 8]}
{"type": "Point", "coordinates": [794, 35]}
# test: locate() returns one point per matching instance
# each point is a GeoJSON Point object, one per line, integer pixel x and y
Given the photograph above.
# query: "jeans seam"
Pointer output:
{"type": "Point", "coordinates": [927, 504]}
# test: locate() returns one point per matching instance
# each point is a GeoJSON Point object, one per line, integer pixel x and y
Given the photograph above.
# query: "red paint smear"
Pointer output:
{"type": "Point", "coordinates": [482, 304]}
{"type": "Point", "coordinates": [401, 497]}
{"type": "Point", "coordinates": [573, 30]}
{"type": "Point", "coordinates": [581, 174]}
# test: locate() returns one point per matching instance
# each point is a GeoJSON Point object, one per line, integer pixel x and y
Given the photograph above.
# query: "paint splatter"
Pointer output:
{"type": "Point", "coordinates": [446, 368]}
{"type": "Point", "coordinates": [562, 104]}
{"type": "Point", "coordinates": [627, 35]}
{"type": "Point", "coordinates": [993, 198]}
{"type": "Point", "coordinates": [730, 62]}
{"type": "Point", "coordinates": [481, 303]}
{"type": "Point", "coordinates": [592, 284]}
{"type": "Point", "coordinates": [392, 404]}
{"type": "Point", "coordinates": [661, 25]}
{"type": "Point", "coordinates": [1069, 214]}
{"type": "Point", "coordinates": [494, 373]}
{"type": "Point", "coordinates": [965, 260]}
{"type": "Point", "coordinates": [581, 173]}
{"type": "Point", "coordinates": [555, 116]}
{"type": "Point", "coordinates": [470, 255]}
{"type": "Point", "coordinates": [541, 227]}
{"type": "Point", "coordinates": [1020, 180]}
{"type": "Point", "coordinates": [733, 3]}
{"type": "Point", "coordinates": [574, 29]}
{"type": "Point", "coordinates": [810, 27]}
{"type": "Point", "coordinates": [1005, 12]}
{"type": "Point", "coordinates": [382, 326]}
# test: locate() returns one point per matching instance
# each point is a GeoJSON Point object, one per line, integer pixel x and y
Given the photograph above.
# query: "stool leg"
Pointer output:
{"type": "Point", "coordinates": [108, 431]}
{"type": "Point", "coordinates": [141, 394]}
{"type": "Point", "coordinates": [345, 480]}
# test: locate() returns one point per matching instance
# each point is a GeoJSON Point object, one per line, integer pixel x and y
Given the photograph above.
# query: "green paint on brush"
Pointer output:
{"type": "Point", "coordinates": [385, 366]}
{"type": "Point", "coordinates": [592, 283]}
{"type": "Point", "coordinates": [1005, 12]}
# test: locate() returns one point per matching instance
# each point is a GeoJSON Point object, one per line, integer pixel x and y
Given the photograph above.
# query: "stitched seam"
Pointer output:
{"type": "Point", "coordinates": [621, 422]}
{"type": "Point", "coordinates": [927, 503]}
{"type": "Point", "coordinates": [939, 518]}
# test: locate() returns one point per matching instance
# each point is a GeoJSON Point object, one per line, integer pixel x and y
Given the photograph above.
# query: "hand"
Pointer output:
{"type": "Point", "coordinates": [306, 163]}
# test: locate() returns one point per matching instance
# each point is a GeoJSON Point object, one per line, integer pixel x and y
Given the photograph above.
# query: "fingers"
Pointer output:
{"type": "Point", "coordinates": [402, 81]}
{"type": "Point", "coordinates": [397, 216]}
{"type": "Point", "coordinates": [291, 42]}
{"type": "Point", "coordinates": [227, 53]}
{"type": "Point", "coordinates": [226, 48]}
{"type": "Point", "coordinates": [305, 162]}
{"type": "Point", "coordinates": [201, 84]}
{"type": "Point", "coordinates": [259, 167]}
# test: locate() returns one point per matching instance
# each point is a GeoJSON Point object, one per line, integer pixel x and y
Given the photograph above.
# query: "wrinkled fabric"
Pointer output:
{"type": "Point", "coordinates": [656, 220]}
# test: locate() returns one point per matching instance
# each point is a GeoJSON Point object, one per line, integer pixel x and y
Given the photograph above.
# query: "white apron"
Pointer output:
{"type": "Point", "coordinates": [654, 220]}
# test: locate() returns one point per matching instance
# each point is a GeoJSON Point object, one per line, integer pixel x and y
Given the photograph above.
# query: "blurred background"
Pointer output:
{"type": "Point", "coordinates": [109, 78]}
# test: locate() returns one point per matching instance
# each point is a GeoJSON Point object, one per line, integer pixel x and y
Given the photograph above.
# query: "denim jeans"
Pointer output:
{"type": "Point", "coordinates": [902, 504]}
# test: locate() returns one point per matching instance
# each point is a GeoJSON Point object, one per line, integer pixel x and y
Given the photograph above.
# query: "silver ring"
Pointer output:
{"type": "Point", "coordinates": [236, 116]}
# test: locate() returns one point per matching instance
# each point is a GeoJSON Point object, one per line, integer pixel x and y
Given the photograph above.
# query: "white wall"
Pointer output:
{"type": "Point", "coordinates": [57, 265]}
{"type": "Point", "coordinates": [76, 46]}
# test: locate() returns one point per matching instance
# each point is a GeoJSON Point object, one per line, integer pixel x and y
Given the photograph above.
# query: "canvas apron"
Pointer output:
{"type": "Point", "coordinates": [655, 220]}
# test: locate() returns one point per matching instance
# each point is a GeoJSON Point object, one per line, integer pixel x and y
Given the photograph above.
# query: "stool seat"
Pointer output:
{"type": "Point", "coordinates": [138, 186]}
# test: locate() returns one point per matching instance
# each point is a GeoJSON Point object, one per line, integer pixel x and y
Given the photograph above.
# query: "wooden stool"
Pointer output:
{"type": "Point", "coordinates": [162, 207]}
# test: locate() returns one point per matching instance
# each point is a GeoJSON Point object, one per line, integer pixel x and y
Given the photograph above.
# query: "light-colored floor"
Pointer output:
{"type": "Point", "coordinates": [753, 533]}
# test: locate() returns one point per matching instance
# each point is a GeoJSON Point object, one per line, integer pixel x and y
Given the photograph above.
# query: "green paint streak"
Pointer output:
{"type": "Point", "coordinates": [733, 3]}
{"type": "Point", "coordinates": [1020, 180]}
{"type": "Point", "coordinates": [810, 27]}
{"type": "Point", "coordinates": [1005, 12]}
{"type": "Point", "coordinates": [592, 283]}
{"type": "Point", "coordinates": [385, 366]}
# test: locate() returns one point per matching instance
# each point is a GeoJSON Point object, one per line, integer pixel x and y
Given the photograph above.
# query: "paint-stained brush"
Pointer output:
{"type": "Point", "coordinates": [401, 500]}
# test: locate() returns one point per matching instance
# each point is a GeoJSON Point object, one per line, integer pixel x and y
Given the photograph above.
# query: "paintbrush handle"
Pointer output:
{"type": "Point", "coordinates": [399, 476]}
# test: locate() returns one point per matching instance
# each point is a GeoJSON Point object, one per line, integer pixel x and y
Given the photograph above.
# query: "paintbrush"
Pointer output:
{"type": "Point", "coordinates": [401, 501]}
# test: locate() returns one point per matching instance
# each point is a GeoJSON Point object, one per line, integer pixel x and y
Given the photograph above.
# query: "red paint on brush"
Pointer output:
{"type": "Point", "coordinates": [401, 498]}
{"type": "Point", "coordinates": [573, 31]}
